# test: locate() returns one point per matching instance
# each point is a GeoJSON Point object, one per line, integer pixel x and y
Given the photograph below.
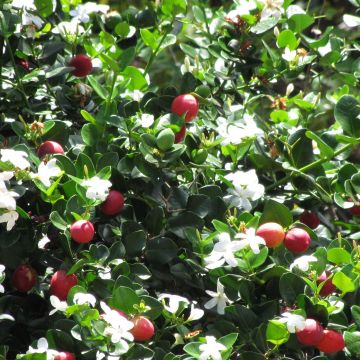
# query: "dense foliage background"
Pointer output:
{"type": "Point", "coordinates": [276, 140]}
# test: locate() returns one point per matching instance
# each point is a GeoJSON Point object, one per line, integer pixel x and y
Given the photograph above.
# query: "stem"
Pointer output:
{"type": "Point", "coordinates": [311, 166]}
{"type": "Point", "coordinates": [154, 54]}
{"type": "Point", "coordinates": [17, 76]}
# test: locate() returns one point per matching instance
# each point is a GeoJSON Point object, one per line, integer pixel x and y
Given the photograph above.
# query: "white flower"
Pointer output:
{"type": "Point", "coordinates": [303, 262]}
{"type": "Point", "coordinates": [211, 350]}
{"type": "Point", "coordinates": [81, 299]}
{"type": "Point", "coordinates": [246, 189]}
{"type": "Point", "coordinates": [97, 189]}
{"type": "Point", "coordinates": [219, 299]}
{"type": "Point", "coordinates": [43, 241]}
{"type": "Point", "coordinates": [7, 198]}
{"type": "Point", "coordinates": [43, 347]}
{"type": "Point", "coordinates": [195, 313]}
{"type": "Point", "coordinates": [289, 55]}
{"type": "Point", "coordinates": [2, 277]}
{"type": "Point", "coordinates": [244, 9]}
{"type": "Point", "coordinates": [146, 120]}
{"type": "Point", "coordinates": [9, 218]}
{"type": "Point", "coordinates": [272, 8]}
{"type": "Point", "coordinates": [57, 304]}
{"type": "Point", "coordinates": [83, 11]}
{"type": "Point", "coordinates": [32, 23]}
{"type": "Point", "coordinates": [223, 252]}
{"type": "Point", "coordinates": [15, 157]}
{"type": "Point", "coordinates": [27, 4]}
{"type": "Point", "coordinates": [173, 302]}
{"type": "Point", "coordinates": [118, 328]}
{"type": "Point", "coordinates": [293, 322]}
{"type": "Point", "coordinates": [250, 239]}
{"type": "Point", "coordinates": [68, 29]}
{"type": "Point", "coordinates": [47, 171]}
{"type": "Point", "coordinates": [6, 176]}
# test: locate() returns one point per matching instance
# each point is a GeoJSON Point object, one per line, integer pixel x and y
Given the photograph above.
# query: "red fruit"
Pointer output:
{"type": "Point", "coordinates": [332, 341]}
{"type": "Point", "coordinates": [297, 240]}
{"type": "Point", "coordinates": [180, 136]}
{"type": "Point", "coordinates": [61, 284]}
{"type": "Point", "coordinates": [310, 219]}
{"type": "Point", "coordinates": [113, 204]}
{"type": "Point", "coordinates": [355, 210]}
{"type": "Point", "coordinates": [23, 63]}
{"type": "Point", "coordinates": [143, 329]}
{"type": "Point", "coordinates": [49, 147]}
{"type": "Point", "coordinates": [64, 355]}
{"type": "Point", "coordinates": [24, 278]}
{"type": "Point", "coordinates": [82, 231]}
{"type": "Point", "coordinates": [272, 233]}
{"type": "Point", "coordinates": [82, 64]}
{"type": "Point", "coordinates": [185, 104]}
{"type": "Point", "coordinates": [312, 334]}
{"type": "Point", "coordinates": [328, 287]}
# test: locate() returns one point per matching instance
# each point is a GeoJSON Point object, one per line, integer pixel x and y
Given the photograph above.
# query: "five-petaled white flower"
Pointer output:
{"type": "Point", "coordinates": [303, 262]}
{"type": "Point", "coordinates": [9, 218]}
{"type": "Point", "coordinates": [289, 55]}
{"type": "Point", "coordinates": [46, 171]}
{"type": "Point", "coordinates": [43, 347]}
{"type": "Point", "coordinates": [250, 239]}
{"type": "Point", "coordinates": [246, 189]}
{"type": "Point", "coordinates": [219, 299]}
{"type": "Point", "coordinates": [83, 11]}
{"type": "Point", "coordinates": [82, 299]}
{"type": "Point", "coordinates": [57, 304]}
{"type": "Point", "coordinates": [293, 322]}
{"type": "Point", "coordinates": [195, 313]}
{"type": "Point", "coordinates": [212, 349]}
{"type": "Point", "coordinates": [69, 29]}
{"type": "Point", "coordinates": [272, 8]}
{"type": "Point", "coordinates": [223, 252]}
{"type": "Point", "coordinates": [97, 189]}
{"type": "Point", "coordinates": [15, 157]}
{"type": "Point", "coordinates": [118, 326]}
{"type": "Point", "coordinates": [7, 198]}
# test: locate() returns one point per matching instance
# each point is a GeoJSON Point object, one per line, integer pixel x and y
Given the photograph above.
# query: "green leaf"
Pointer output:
{"type": "Point", "coordinates": [99, 89]}
{"type": "Point", "coordinates": [276, 212]}
{"type": "Point", "coordinates": [339, 256]}
{"type": "Point", "coordinates": [173, 7]}
{"type": "Point", "coordinates": [136, 77]}
{"type": "Point", "coordinates": [135, 243]}
{"type": "Point", "coordinates": [264, 25]}
{"type": "Point", "coordinates": [277, 333]}
{"type": "Point", "coordinates": [326, 151]}
{"type": "Point", "coordinates": [44, 7]}
{"type": "Point", "coordinates": [300, 22]}
{"type": "Point", "coordinates": [124, 299]}
{"type": "Point", "coordinates": [352, 341]}
{"type": "Point", "coordinates": [290, 287]}
{"type": "Point", "coordinates": [228, 340]}
{"type": "Point", "coordinates": [149, 38]}
{"type": "Point", "coordinates": [58, 221]}
{"type": "Point", "coordinates": [287, 39]}
{"type": "Point", "coordinates": [343, 282]}
{"type": "Point", "coordinates": [355, 312]}
{"type": "Point", "coordinates": [89, 134]}
{"type": "Point", "coordinates": [161, 250]}
{"type": "Point", "coordinates": [346, 114]}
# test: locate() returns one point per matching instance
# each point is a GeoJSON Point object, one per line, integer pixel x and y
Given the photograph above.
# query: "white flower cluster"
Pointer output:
{"type": "Point", "coordinates": [8, 212]}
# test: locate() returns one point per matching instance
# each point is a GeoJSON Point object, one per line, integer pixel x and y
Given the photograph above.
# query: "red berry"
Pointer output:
{"type": "Point", "coordinates": [310, 219]}
{"type": "Point", "coordinates": [143, 329]}
{"type": "Point", "coordinates": [23, 63]}
{"type": "Point", "coordinates": [82, 64]}
{"type": "Point", "coordinates": [272, 233]}
{"type": "Point", "coordinates": [328, 287]}
{"type": "Point", "coordinates": [297, 240]}
{"type": "Point", "coordinates": [185, 104]}
{"type": "Point", "coordinates": [312, 334]}
{"type": "Point", "coordinates": [332, 341]}
{"type": "Point", "coordinates": [61, 284]}
{"type": "Point", "coordinates": [82, 231]}
{"type": "Point", "coordinates": [180, 136]}
{"type": "Point", "coordinates": [49, 147]}
{"type": "Point", "coordinates": [355, 210]}
{"type": "Point", "coordinates": [64, 355]}
{"type": "Point", "coordinates": [113, 204]}
{"type": "Point", "coordinates": [24, 278]}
